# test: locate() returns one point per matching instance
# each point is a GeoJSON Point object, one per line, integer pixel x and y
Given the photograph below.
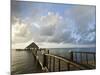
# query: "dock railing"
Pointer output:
{"type": "Point", "coordinates": [84, 58]}
{"type": "Point", "coordinates": [52, 63]}
{"type": "Point", "coordinates": [55, 63]}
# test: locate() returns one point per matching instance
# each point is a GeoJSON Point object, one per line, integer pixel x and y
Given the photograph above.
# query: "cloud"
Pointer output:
{"type": "Point", "coordinates": [82, 15]}
{"type": "Point", "coordinates": [76, 26]}
{"type": "Point", "coordinates": [45, 27]}
{"type": "Point", "coordinates": [48, 23]}
{"type": "Point", "coordinates": [20, 32]}
{"type": "Point", "coordinates": [57, 29]}
{"type": "Point", "coordinates": [25, 30]}
{"type": "Point", "coordinates": [85, 24]}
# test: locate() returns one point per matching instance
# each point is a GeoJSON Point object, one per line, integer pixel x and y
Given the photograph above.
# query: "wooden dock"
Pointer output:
{"type": "Point", "coordinates": [53, 63]}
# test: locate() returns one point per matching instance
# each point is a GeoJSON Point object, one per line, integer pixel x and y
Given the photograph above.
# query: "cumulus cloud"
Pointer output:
{"type": "Point", "coordinates": [20, 32]}
{"type": "Point", "coordinates": [48, 23]}
{"type": "Point", "coordinates": [45, 27]}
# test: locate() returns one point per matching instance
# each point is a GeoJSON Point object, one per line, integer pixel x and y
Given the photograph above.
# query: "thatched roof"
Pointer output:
{"type": "Point", "coordinates": [32, 45]}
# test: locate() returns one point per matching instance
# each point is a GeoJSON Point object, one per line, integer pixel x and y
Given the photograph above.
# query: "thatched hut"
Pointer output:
{"type": "Point", "coordinates": [32, 45]}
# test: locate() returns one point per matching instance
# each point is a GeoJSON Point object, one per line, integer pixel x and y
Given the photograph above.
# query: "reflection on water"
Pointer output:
{"type": "Point", "coordinates": [23, 62]}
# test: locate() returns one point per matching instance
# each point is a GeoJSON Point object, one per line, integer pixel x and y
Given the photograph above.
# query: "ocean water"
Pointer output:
{"type": "Point", "coordinates": [65, 52]}
{"type": "Point", "coordinates": [23, 62]}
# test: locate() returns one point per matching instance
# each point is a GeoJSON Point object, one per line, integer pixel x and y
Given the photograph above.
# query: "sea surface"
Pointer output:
{"type": "Point", "coordinates": [24, 62]}
{"type": "Point", "coordinates": [65, 52]}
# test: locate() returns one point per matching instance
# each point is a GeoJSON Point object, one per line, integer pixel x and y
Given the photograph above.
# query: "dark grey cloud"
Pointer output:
{"type": "Point", "coordinates": [47, 31]}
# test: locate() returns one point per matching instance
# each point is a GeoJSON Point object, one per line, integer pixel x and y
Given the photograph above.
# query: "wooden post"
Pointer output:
{"type": "Point", "coordinates": [44, 60]}
{"type": "Point", "coordinates": [94, 58]}
{"type": "Point", "coordinates": [47, 62]}
{"type": "Point", "coordinates": [50, 64]}
{"type": "Point", "coordinates": [76, 57]}
{"type": "Point", "coordinates": [68, 66]}
{"type": "Point", "coordinates": [59, 64]}
{"type": "Point", "coordinates": [53, 64]}
{"type": "Point", "coordinates": [71, 55]}
{"type": "Point", "coordinates": [86, 58]}
{"type": "Point", "coordinates": [48, 51]}
{"type": "Point", "coordinates": [81, 58]}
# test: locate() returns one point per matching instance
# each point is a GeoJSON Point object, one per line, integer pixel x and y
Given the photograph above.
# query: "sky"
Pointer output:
{"type": "Point", "coordinates": [52, 25]}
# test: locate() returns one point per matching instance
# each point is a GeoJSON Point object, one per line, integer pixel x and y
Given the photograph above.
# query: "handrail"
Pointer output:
{"type": "Point", "coordinates": [49, 61]}
{"type": "Point", "coordinates": [58, 57]}
{"type": "Point", "coordinates": [66, 61]}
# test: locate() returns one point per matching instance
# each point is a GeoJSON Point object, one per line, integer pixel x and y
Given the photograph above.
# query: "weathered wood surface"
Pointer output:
{"type": "Point", "coordinates": [56, 63]}
{"type": "Point", "coordinates": [53, 63]}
